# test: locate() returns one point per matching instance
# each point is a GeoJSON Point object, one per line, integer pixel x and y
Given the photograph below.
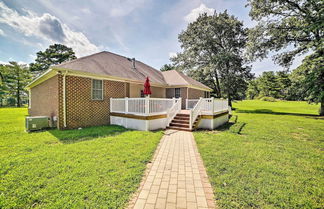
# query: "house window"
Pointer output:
{"type": "Point", "coordinates": [97, 89]}
{"type": "Point", "coordinates": [207, 94]}
{"type": "Point", "coordinates": [177, 92]}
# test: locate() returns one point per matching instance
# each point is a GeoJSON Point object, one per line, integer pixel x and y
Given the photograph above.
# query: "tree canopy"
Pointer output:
{"type": "Point", "coordinates": [53, 55]}
{"type": "Point", "coordinates": [15, 77]}
{"type": "Point", "coordinates": [167, 67]}
{"type": "Point", "coordinates": [292, 25]}
{"type": "Point", "coordinates": [212, 53]}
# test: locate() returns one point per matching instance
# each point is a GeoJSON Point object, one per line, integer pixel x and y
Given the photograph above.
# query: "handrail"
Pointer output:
{"type": "Point", "coordinates": [190, 103]}
{"type": "Point", "coordinates": [195, 112]}
{"type": "Point", "coordinates": [173, 111]}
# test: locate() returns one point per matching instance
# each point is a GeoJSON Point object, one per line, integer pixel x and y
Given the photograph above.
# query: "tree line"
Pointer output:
{"type": "Point", "coordinates": [217, 50]}
{"type": "Point", "coordinates": [14, 77]}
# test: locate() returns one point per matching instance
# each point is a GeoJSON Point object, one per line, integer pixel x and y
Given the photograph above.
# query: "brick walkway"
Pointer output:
{"type": "Point", "coordinates": [176, 178]}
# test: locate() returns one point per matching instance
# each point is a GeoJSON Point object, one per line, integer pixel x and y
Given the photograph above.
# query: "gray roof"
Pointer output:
{"type": "Point", "coordinates": [110, 64]}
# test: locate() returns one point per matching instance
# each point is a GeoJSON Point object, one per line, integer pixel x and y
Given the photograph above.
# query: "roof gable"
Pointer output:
{"type": "Point", "coordinates": [175, 78]}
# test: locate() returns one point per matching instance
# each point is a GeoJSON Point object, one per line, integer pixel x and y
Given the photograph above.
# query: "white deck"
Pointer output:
{"type": "Point", "coordinates": [157, 113]}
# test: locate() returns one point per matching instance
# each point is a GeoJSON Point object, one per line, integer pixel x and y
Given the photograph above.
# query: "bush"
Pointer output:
{"type": "Point", "coordinates": [268, 99]}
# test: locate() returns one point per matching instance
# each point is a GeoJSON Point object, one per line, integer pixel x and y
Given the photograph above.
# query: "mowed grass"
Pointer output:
{"type": "Point", "coordinates": [271, 155]}
{"type": "Point", "coordinates": [98, 167]}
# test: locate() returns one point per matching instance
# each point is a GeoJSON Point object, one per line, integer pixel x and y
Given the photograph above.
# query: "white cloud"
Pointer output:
{"type": "Point", "coordinates": [194, 14]}
{"type": "Point", "coordinates": [2, 33]}
{"type": "Point", "coordinates": [19, 63]}
{"type": "Point", "coordinates": [47, 27]}
{"type": "Point", "coordinates": [172, 54]}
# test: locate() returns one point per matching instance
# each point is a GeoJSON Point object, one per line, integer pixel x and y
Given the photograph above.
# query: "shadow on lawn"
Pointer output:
{"type": "Point", "coordinates": [267, 111]}
{"type": "Point", "coordinates": [232, 126]}
{"type": "Point", "coordinates": [77, 135]}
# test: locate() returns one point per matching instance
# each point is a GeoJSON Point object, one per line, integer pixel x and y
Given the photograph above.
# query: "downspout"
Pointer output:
{"type": "Point", "coordinates": [64, 99]}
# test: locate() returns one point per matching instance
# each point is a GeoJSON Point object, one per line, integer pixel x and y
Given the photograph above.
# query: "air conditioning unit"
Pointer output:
{"type": "Point", "coordinates": [37, 123]}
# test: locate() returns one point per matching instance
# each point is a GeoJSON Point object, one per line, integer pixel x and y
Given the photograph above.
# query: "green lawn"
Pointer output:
{"type": "Point", "coordinates": [272, 157]}
{"type": "Point", "coordinates": [96, 167]}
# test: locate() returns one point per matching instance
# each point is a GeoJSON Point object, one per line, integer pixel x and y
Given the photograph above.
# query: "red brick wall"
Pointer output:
{"type": "Point", "coordinates": [44, 98]}
{"type": "Point", "coordinates": [81, 110]}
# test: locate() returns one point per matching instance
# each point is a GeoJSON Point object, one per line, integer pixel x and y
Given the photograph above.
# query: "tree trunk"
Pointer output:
{"type": "Point", "coordinates": [219, 93]}
{"type": "Point", "coordinates": [229, 99]}
{"type": "Point", "coordinates": [321, 113]}
{"type": "Point", "coordinates": [18, 94]}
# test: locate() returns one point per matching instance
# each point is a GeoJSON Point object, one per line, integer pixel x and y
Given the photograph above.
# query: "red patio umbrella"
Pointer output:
{"type": "Point", "coordinates": [147, 89]}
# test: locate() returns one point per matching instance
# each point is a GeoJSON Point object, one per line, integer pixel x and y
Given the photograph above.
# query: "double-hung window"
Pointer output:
{"type": "Point", "coordinates": [97, 90]}
{"type": "Point", "coordinates": [177, 92]}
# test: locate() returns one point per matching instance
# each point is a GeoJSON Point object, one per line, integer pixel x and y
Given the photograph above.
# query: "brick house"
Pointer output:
{"type": "Point", "coordinates": [78, 93]}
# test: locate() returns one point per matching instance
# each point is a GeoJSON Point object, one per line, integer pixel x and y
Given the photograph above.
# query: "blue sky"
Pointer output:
{"type": "Point", "coordinates": [144, 29]}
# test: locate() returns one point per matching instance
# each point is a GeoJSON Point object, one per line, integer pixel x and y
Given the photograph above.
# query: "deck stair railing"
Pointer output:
{"type": "Point", "coordinates": [174, 110]}
{"type": "Point", "coordinates": [195, 112]}
{"type": "Point", "coordinates": [205, 106]}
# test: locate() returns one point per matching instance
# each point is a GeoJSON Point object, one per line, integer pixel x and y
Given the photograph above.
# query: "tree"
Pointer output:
{"type": "Point", "coordinates": [17, 78]}
{"type": "Point", "coordinates": [213, 54]}
{"type": "Point", "coordinates": [252, 90]}
{"type": "Point", "coordinates": [285, 23]}
{"type": "Point", "coordinates": [308, 81]}
{"type": "Point", "coordinates": [3, 84]}
{"type": "Point", "coordinates": [268, 85]}
{"type": "Point", "coordinates": [167, 67]}
{"type": "Point", "coordinates": [284, 83]}
{"type": "Point", "coordinates": [53, 55]}
{"type": "Point", "coordinates": [291, 25]}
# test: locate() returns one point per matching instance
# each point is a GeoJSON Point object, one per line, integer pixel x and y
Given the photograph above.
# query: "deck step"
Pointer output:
{"type": "Point", "coordinates": [183, 115]}
{"type": "Point", "coordinates": [180, 125]}
{"type": "Point", "coordinates": [181, 118]}
{"type": "Point", "coordinates": [179, 128]}
{"type": "Point", "coordinates": [180, 121]}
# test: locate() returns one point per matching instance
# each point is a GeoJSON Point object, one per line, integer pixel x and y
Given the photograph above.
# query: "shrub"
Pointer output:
{"type": "Point", "coordinates": [268, 99]}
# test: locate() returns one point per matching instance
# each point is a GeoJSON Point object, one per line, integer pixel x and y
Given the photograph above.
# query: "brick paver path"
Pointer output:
{"type": "Point", "coordinates": [177, 177]}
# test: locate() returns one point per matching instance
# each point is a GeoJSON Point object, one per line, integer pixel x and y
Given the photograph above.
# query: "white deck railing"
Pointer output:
{"type": "Point", "coordinates": [190, 103]}
{"type": "Point", "coordinates": [211, 105]}
{"type": "Point", "coordinates": [141, 106]}
{"type": "Point", "coordinates": [205, 106]}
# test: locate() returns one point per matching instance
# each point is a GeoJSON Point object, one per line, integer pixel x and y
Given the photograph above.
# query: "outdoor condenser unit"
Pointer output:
{"type": "Point", "coordinates": [37, 123]}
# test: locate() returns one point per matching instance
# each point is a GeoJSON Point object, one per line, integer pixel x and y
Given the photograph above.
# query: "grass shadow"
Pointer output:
{"type": "Point", "coordinates": [268, 111]}
{"type": "Point", "coordinates": [232, 126]}
{"type": "Point", "coordinates": [77, 135]}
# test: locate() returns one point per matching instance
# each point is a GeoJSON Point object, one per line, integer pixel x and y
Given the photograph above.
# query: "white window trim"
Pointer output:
{"type": "Point", "coordinates": [102, 90]}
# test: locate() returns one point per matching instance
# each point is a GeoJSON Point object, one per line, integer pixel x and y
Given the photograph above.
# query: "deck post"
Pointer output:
{"type": "Point", "coordinates": [147, 106]}
{"type": "Point", "coordinates": [126, 104]}
{"type": "Point", "coordinates": [173, 101]}
{"type": "Point", "coordinates": [212, 103]}
{"type": "Point", "coordinates": [147, 112]}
